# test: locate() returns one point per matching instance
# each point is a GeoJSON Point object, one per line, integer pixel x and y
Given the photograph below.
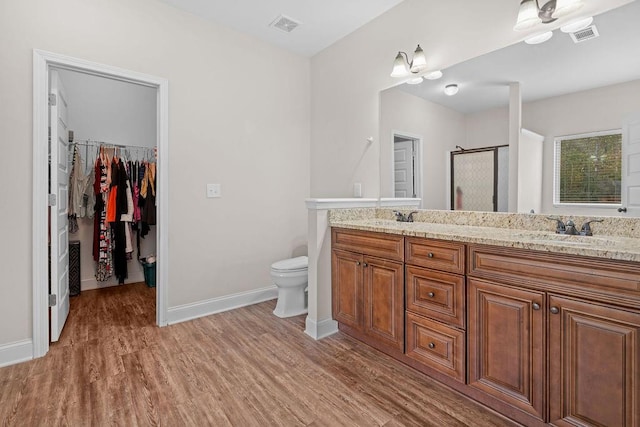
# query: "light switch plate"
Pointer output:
{"type": "Point", "coordinates": [357, 189]}
{"type": "Point", "coordinates": [214, 190]}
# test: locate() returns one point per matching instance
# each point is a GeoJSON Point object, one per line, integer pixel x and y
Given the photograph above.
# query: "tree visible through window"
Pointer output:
{"type": "Point", "coordinates": [588, 168]}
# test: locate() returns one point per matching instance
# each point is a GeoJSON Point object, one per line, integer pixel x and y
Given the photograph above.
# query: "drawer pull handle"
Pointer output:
{"type": "Point", "coordinates": [431, 294]}
{"type": "Point", "coordinates": [357, 262]}
{"type": "Point", "coordinates": [536, 306]}
{"type": "Point", "coordinates": [432, 345]}
{"type": "Point", "coordinates": [430, 255]}
{"type": "Point", "coordinates": [365, 264]}
{"type": "Point", "coordinates": [554, 310]}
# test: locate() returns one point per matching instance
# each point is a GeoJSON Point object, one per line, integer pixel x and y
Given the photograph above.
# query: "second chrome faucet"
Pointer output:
{"type": "Point", "coordinates": [570, 228]}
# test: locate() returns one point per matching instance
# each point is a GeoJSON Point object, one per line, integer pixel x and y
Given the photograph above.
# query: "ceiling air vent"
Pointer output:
{"type": "Point", "coordinates": [588, 33]}
{"type": "Point", "coordinates": [284, 23]}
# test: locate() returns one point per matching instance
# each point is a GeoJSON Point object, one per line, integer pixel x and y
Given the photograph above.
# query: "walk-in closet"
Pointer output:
{"type": "Point", "coordinates": [108, 184]}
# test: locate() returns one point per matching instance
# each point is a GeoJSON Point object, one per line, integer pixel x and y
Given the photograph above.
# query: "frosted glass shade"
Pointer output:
{"type": "Point", "coordinates": [527, 15]}
{"type": "Point", "coordinates": [400, 68]}
{"type": "Point", "coordinates": [419, 62]}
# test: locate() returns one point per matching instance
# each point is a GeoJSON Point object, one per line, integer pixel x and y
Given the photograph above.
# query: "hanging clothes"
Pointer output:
{"type": "Point", "coordinates": [105, 266]}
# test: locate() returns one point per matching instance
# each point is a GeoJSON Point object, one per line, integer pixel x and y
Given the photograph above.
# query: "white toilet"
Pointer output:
{"type": "Point", "coordinates": [291, 277]}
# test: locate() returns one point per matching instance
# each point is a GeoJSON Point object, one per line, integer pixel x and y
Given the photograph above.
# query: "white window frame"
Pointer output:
{"type": "Point", "coordinates": [556, 169]}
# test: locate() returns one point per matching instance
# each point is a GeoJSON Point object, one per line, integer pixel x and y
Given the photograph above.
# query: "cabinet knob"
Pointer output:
{"type": "Point", "coordinates": [357, 262]}
{"type": "Point", "coordinates": [432, 345]}
{"type": "Point", "coordinates": [430, 255]}
{"type": "Point", "coordinates": [554, 310]}
{"type": "Point", "coordinates": [365, 264]}
{"type": "Point", "coordinates": [431, 294]}
{"type": "Point", "coordinates": [535, 306]}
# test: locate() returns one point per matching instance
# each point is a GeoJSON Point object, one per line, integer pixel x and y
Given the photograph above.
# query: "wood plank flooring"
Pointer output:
{"type": "Point", "coordinates": [244, 367]}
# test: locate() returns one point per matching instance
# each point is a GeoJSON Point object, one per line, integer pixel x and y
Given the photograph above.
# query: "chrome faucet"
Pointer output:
{"type": "Point", "coordinates": [404, 218]}
{"type": "Point", "coordinates": [570, 227]}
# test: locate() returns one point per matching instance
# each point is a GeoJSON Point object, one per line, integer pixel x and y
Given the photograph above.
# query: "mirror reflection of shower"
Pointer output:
{"type": "Point", "coordinates": [480, 179]}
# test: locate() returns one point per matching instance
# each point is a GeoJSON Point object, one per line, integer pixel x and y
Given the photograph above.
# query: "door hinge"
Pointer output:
{"type": "Point", "coordinates": [52, 200]}
{"type": "Point", "coordinates": [53, 100]}
{"type": "Point", "coordinates": [53, 300]}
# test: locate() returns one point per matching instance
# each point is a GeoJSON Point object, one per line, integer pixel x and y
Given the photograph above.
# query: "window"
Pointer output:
{"type": "Point", "coordinates": [588, 169]}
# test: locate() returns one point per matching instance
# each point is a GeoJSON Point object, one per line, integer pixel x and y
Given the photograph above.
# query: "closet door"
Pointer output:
{"type": "Point", "coordinates": [59, 183]}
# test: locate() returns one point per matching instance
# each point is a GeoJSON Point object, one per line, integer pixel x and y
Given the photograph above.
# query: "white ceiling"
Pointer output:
{"type": "Point", "coordinates": [323, 22]}
{"type": "Point", "coordinates": [556, 67]}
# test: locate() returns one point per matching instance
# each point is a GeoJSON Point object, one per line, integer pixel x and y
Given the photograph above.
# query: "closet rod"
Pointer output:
{"type": "Point", "coordinates": [90, 142]}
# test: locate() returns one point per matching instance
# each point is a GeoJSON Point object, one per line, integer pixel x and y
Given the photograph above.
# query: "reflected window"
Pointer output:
{"type": "Point", "coordinates": [588, 169]}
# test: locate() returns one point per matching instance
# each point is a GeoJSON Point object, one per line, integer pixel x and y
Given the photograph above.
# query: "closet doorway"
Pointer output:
{"type": "Point", "coordinates": [407, 165]}
{"type": "Point", "coordinates": [49, 71]}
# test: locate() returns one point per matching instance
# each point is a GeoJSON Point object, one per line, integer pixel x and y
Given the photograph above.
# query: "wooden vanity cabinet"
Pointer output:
{"type": "Point", "coordinates": [435, 306]}
{"type": "Point", "coordinates": [576, 318]}
{"type": "Point", "coordinates": [368, 290]}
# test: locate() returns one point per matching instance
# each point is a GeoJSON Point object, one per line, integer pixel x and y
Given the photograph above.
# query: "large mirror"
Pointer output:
{"type": "Point", "coordinates": [570, 90]}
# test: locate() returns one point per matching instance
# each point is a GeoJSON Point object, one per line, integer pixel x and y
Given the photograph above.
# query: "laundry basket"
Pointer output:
{"type": "Point", "coordinates": [149, 272]}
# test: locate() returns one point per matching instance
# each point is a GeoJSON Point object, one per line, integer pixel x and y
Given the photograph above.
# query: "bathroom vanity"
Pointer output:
{"type": "Point", "coordinates": [543, 328]}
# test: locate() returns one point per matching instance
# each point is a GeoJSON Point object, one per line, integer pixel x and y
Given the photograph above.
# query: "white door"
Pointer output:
{"type": "Point", "coordinates": [403, 169]}
{"type": "Point", "coordinates": [59, 186]}
{"type": "Point", "coordinates": [631, 166]}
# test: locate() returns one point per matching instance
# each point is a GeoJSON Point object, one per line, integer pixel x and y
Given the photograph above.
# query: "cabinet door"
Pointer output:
{"type": "Point", "coordinates": [594, 368]}
{"type": "Point", "coordinates": [384, 301]}
{"type": "Point", "coordinates": [507, 344]}
{"type": "Point", "coordinates": [346, 287]}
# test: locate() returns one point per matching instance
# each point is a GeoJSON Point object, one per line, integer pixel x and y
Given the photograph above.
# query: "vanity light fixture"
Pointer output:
{"type": "Point", "coordinates": [539, 38]}
{"type": "Point", "coordinates": [402, 67]}
{"type": "Point", "coordinates": [534, 12]}
{"type": "Point", "coordinates": [451, 89]}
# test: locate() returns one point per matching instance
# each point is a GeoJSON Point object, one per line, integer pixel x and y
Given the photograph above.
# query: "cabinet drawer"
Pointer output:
{"type": "Point", "coordinates": [605, 280]}
{"type": "Point", "coordinates": [436, 345]}
{"type": "Point", "coordinates": [435, 254]}
{"type": "Point", "coordinates": [435, 294]}
{"type": "Point", "coordinates": [388, 246]}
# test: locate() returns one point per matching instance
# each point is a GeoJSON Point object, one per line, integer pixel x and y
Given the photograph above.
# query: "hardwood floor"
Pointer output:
{"type": "Point", "coordinates": [246, 367]}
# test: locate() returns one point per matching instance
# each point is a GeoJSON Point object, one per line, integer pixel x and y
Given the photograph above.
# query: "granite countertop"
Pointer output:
{"type": "Point", "coordinates": [501, 232]}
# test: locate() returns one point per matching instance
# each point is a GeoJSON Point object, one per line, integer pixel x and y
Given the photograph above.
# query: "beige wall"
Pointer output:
{"type": "Point", "coordinates": [238, 115]}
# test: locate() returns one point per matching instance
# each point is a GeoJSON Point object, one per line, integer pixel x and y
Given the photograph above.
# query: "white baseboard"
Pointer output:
{"type": "Point", "coordinates": [321, 329]}
{"type": "Point", "coordinates": [16, 352]}
{"type": "Point", "coordinates": [185, 312]}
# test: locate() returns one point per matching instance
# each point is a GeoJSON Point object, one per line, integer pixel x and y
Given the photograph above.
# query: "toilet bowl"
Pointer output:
{"type": "Point", "coordinates": [291, 277]}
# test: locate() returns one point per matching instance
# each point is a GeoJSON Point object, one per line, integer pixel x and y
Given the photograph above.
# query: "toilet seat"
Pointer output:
{"type": "Point", "coordinates": [291, 265]}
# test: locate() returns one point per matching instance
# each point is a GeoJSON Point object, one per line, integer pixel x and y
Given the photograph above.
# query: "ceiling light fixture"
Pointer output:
{"type": "Point", "coordinates": [451, 89]}
{"type": "Point", "coordinates": [539, 38]}
{"type": "Point", "coordinates": [402, 67]}
{"type": "Point", "coordinates": [533, 12]}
